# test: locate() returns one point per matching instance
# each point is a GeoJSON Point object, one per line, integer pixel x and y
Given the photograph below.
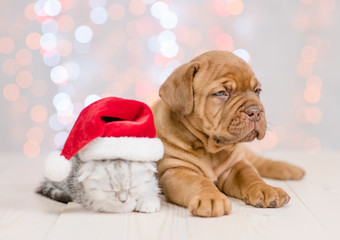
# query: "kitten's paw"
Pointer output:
{"type": "Point", "coordinates": [148, 205]}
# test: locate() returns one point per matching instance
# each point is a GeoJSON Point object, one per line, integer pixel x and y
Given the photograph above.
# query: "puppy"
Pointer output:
{"type": "Point", "coordinates": [208, 107]}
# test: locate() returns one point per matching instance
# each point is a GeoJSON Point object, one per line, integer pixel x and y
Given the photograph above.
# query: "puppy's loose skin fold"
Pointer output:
{"type": "Point", "coordinates": [208, 107]}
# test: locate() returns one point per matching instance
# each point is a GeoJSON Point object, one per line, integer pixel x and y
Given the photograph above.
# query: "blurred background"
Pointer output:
{"type": "Point", "coordinates": [58, 56]}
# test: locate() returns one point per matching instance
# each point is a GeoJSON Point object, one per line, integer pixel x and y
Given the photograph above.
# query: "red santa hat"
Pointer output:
{"type": "Point", "coordinates": [110, 128]}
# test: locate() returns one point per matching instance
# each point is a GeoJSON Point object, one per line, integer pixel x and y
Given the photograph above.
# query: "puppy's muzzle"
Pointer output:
{"type": "Point", "coordinates": [253, 113]}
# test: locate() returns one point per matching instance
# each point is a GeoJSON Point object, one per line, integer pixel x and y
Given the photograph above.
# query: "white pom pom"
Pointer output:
{"type": "Point", "coordinates": [57, 167]}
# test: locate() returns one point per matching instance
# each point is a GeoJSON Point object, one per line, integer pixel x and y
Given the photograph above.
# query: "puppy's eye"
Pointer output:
{"type": "Point", "coordinates": [221, 94]}
{"type": "Point", "coordinates": [258, 91]}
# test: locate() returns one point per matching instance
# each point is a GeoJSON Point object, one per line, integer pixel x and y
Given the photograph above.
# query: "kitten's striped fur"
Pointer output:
{"type": "Point", "coordinates": [107, 186]}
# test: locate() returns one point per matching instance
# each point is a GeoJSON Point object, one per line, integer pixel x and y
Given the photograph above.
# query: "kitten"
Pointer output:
{"type": "Point", "coordinates": [107, 186]}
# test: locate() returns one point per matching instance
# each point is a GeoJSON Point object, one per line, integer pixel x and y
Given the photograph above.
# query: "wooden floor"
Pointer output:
{"type": "Point", "coordinates": [313, 212]}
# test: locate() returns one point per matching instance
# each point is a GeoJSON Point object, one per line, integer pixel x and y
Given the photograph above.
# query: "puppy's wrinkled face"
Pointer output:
{"type": "Point", "coordinates": [226, 99]}
{"type": "Point", "coordinates": [223, 101]}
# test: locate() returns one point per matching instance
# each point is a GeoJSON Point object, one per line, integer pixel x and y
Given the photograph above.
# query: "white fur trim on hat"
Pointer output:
{"type": "Point", "coordinates": [57, 167]}
{"type": "Point", "coordinates": [127, 148]}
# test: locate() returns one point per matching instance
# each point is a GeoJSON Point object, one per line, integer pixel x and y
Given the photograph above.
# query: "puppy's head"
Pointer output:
{"type": "Point", "coordinates": [218, 93]}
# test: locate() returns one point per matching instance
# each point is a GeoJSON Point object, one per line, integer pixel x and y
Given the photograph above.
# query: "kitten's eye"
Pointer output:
{"type": "Point", "coordinates": [221, 94]}
{"type": "Point", "coordinates": [111, 192]}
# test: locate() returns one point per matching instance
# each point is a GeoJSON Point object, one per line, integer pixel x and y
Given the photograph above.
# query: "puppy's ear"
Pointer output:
{"type": "Point", "coordinates": [177, 91]}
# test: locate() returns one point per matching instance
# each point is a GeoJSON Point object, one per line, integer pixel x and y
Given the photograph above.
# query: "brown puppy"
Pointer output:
{"type": "Point", "coordinates": [209, 106]}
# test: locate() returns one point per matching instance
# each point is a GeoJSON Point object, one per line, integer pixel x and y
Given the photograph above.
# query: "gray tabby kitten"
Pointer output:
{"type": "Point", "coordinates": [107, 186]}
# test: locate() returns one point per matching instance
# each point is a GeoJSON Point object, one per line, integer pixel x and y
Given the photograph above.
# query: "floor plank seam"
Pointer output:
{"type": "Point", "coordinates": [54, 222]}
{"type": "Point", "coordinates": [305, 205]}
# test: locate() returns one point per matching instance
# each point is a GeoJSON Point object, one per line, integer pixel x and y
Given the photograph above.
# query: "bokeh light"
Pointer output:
{"type": "Point", "coordinates": [169, 20]}
{"type": "Point", "coordinates": [149, 1]}
{"type": "Point", "coordinates": [312, 94]}
{"type": "Point", "coordinates": [49, 26]}
{"type": "Point", "coordinates": [10, 67]}
{"type": "Point", "coordinates": [154, 44]}
{"type": "Point", "coordinates": [97, 3]}
{"type": "Point", "coordinates": [33, 40]}
{"type": "Point", "coordinates": [98, 15]}
{"type": "Point", "coordinates": [137, 7]}
{"type": "Point", "coordinates": [39, 8]}
{"type": "Point", "coordinates": [309, 54]}
{"type": "Point", "coordinates": [31, 149]}
{"type": "Point", "coordinates": [169, 49]}
{"type": "Point", "coordinates": [54, 123]}
{"type": "Point", "coordinates": [24, 79]}
{"type": "Point", "coordinates": [29, 12]}
{"type": "Point", "coordinates": [304, 69]}
{"type": "Point", "coordinates": [73, 69]}
{"type": "Point", "coordinates": [83, 34]}
{"type": "Point", "coordinates": [159, 9]}
{"type": "Point", "coordinates": [234, 7]}
{"type": "Point", "coordinates": [116, 12]}
{"type": "Point", "coordinates": [66, 118]}
{"type": "Point", "coordinates": [307, 2]}
{"type": "Point", "coordinates": [270, 140]}
{"type": "Point", "coordinates": [59, 139]}
{"type": "Point", "coordinates": [35, 134]}
{"type": "Point", "coordinates": [65, 23]}
{"type": "Point", "coordinates": [64, 48]}
{"type": "Point", "coordinates": [225, 42]}
{"type": "Point", "coordinates": [51, 58]}
{"type": "Point", "coordinates": [62, 102]}
{"type": "Point", "coordinates": [48, 41]}
{"type": "Point", "coordinates": [314, 81]}
{"type": "Point", "coordinates": [23, 57]}
{"type": "Point", "coordinates": [161, 60]}
{"type": "Point", "coordinates": [91, 99]}
{"type": "Point", "coordinates": [327, 5]}
{"type": "Point", "coordinates": [52, 7]}
{"type": "Point", "coordinates": [313, 115]}
{"type": "Point", "coordinates": [219, 8]}
{"type": "Point", "coordinates": [314, 40]}
{"type": "Point", "coordinates": [11, 92]}
{"type": "Point", "coordinates": [69, 89]}
{"type": "Point", "coordinates": [6, 45]}
{"type": "Point", "coordinates": [143, 89]}
{"type": "Point", "coordinates": [152, 98]}
{"type": "Point", "coordinates": [242, 53]}
{"type": "Point", "coordinates": [59, 75]}
{"type": "Point", "coordinates": [21, 105]}
{"type": "Point", "coordinates": [39, 113]}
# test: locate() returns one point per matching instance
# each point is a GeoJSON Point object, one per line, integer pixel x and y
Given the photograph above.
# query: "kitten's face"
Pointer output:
{"type": "Point", "coordinates": [114, 185]}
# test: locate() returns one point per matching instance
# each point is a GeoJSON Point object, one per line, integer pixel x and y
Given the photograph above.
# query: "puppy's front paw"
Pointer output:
{"type": "Point", "coordinates": [210, 205]}
{"type": "Point", "coordinates": [148, 205]}
{"type": "Point", "coordinates": [262, 195]}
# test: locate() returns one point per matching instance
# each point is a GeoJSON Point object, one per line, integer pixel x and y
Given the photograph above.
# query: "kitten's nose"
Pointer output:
{"type": "Point", "coordinates": [123, 197]}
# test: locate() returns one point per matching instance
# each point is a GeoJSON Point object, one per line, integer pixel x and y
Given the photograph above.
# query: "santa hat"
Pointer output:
{"type": "Point", "coordinates": [110, 128]}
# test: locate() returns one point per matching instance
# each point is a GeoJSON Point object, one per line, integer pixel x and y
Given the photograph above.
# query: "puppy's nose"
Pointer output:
{"type": "Point", "coordinates": [254, 113]}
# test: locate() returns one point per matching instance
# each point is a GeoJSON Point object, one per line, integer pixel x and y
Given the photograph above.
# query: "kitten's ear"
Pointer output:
{"type": "Point", "coordinates": [84, 172]}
